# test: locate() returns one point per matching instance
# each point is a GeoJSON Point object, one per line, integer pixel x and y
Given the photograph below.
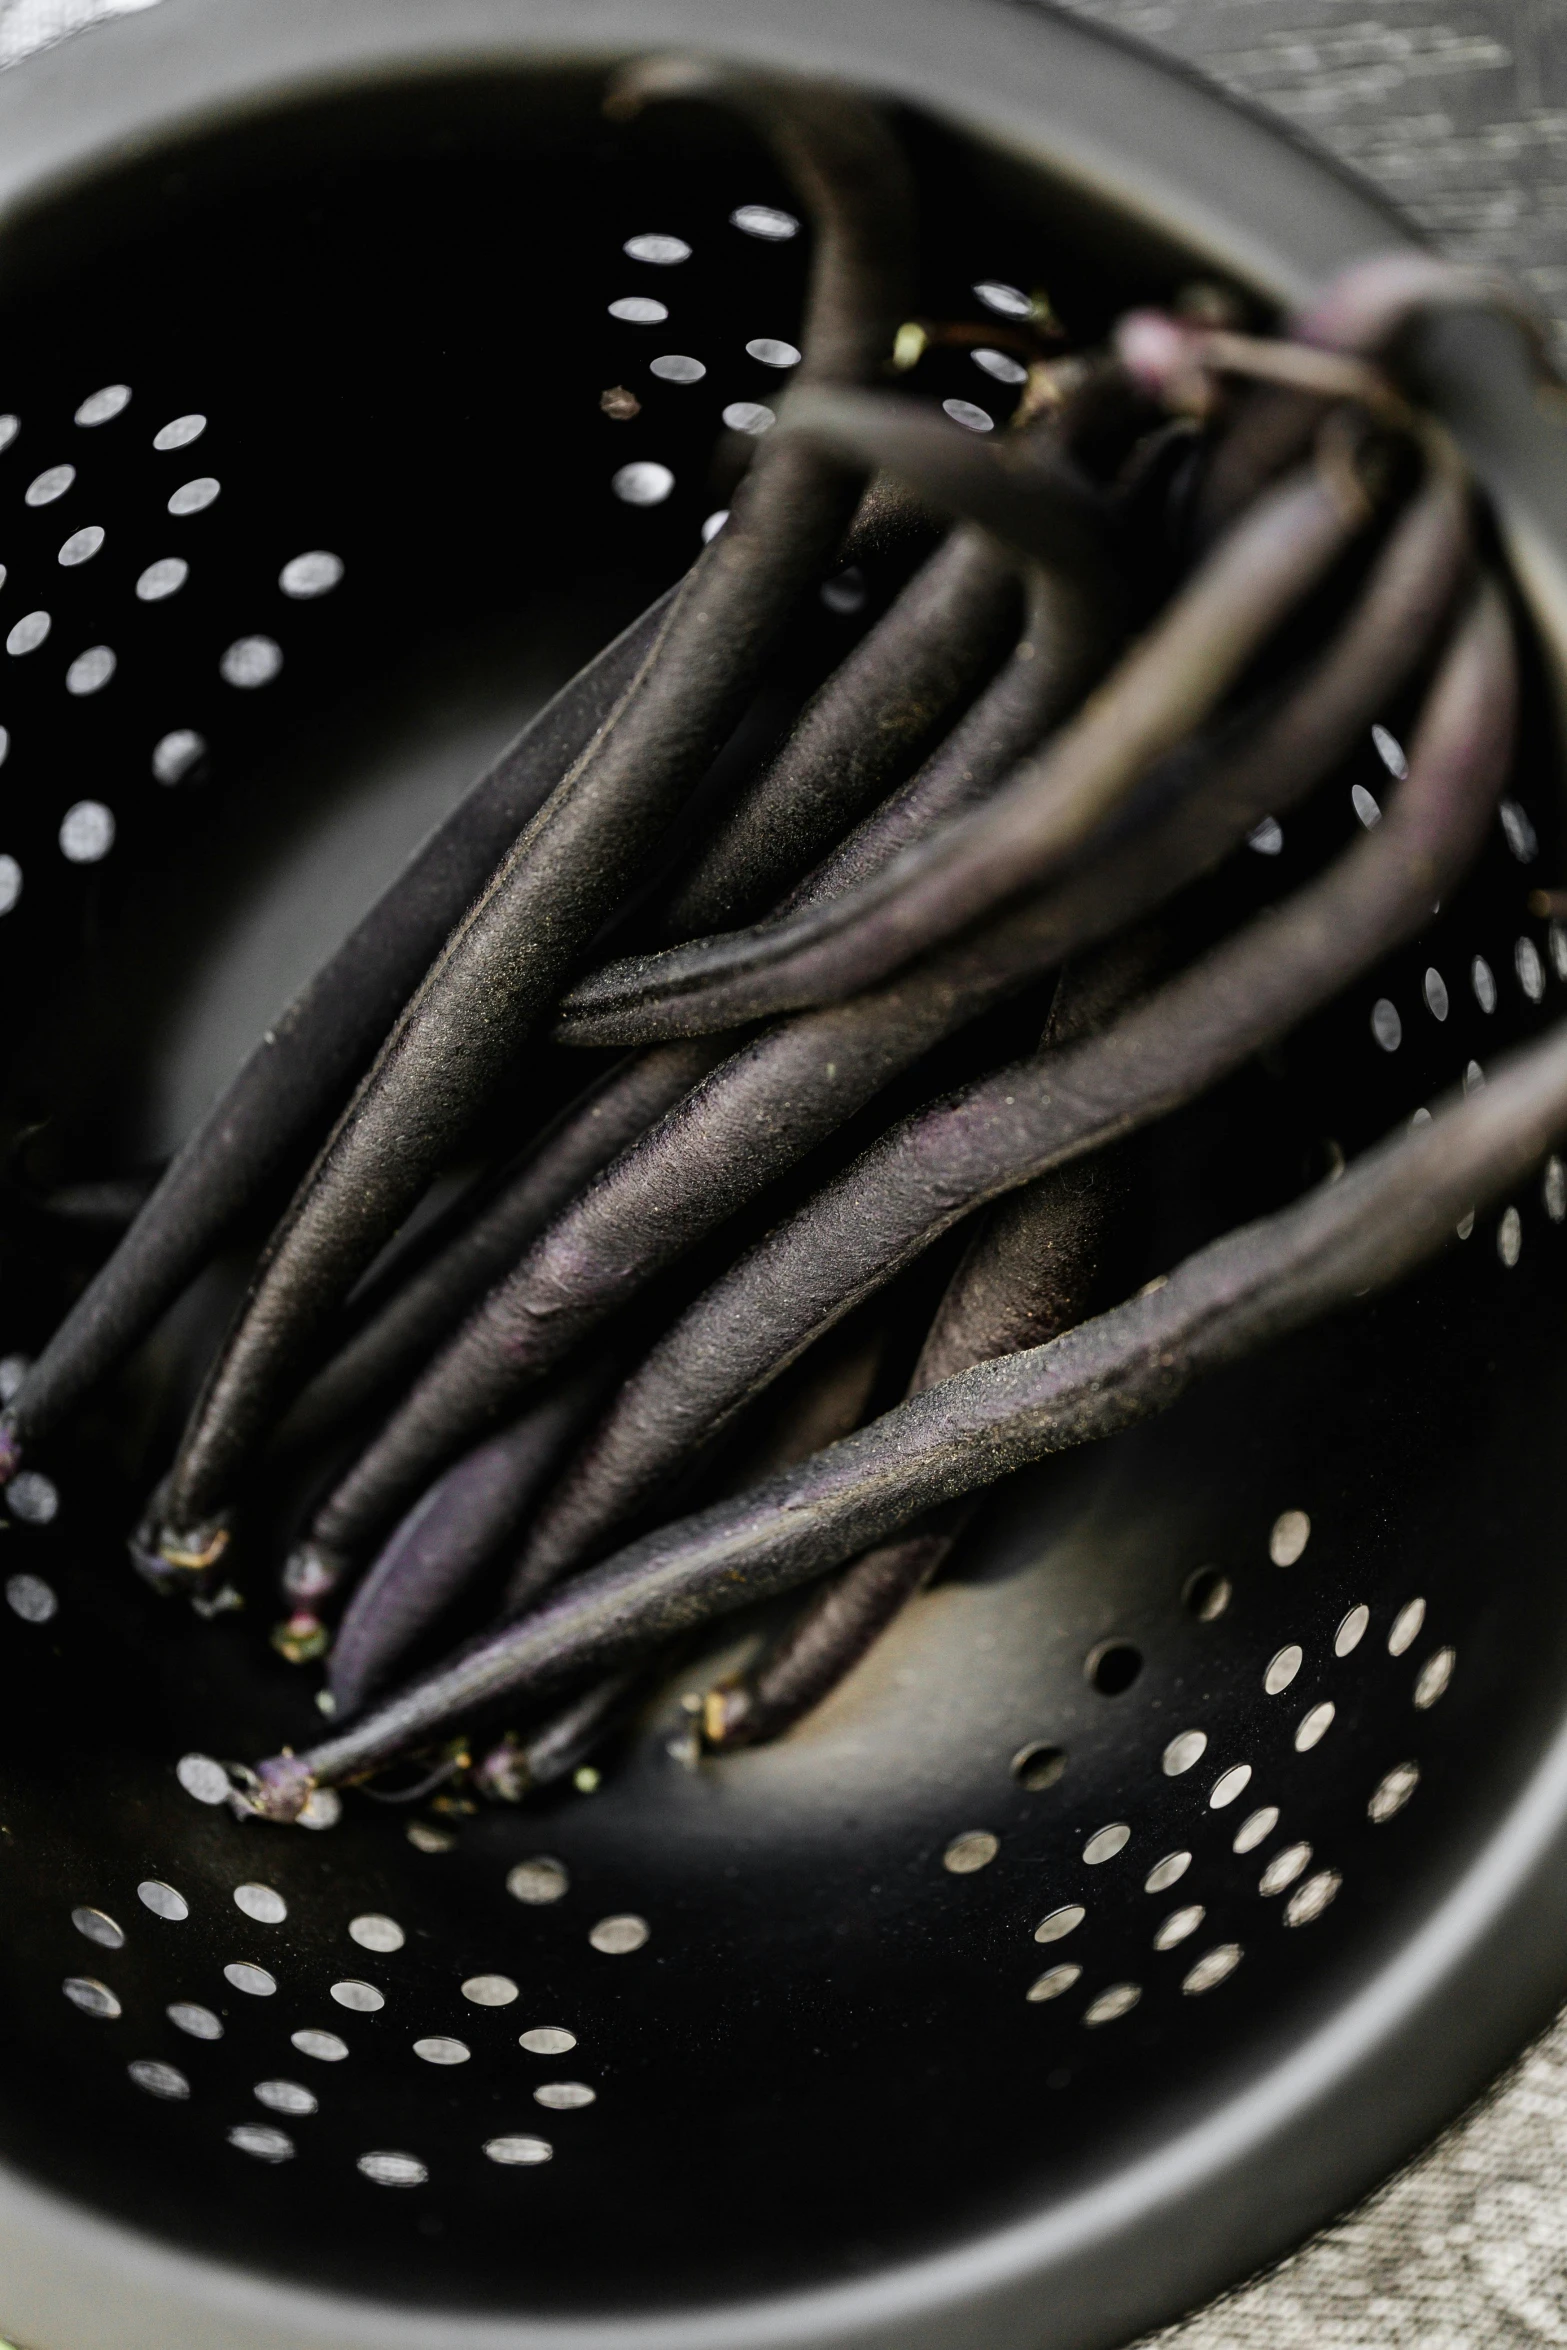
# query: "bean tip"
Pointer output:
{"type": "Point", "coordinates": [283, 1786]}
{"type": "Point", "coordinates": [503, 1774]}
{"type": "Point", "coordinates": [311, 1573]}
{"type": "Point", "coordinates": [726, 1710]}
{"type": "Point", "coordinates": [302, 1638]}
{"type": "Point", "coordinates": [184, 1559]}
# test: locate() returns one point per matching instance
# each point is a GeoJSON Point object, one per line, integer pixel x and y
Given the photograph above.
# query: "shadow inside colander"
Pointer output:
{"type": "Point", "coordinates": [1202, 1721]}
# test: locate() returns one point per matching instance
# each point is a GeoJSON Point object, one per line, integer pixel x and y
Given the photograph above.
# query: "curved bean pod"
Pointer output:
{"type": "Point", "coordinates": [943, 1162]}
{"type": "Point", "coordinates": [1025, 835]}
{"type": "Point", "coordinates": [462, 1031]}
{"type": "Point", "coordinates": [1361, 312]}
{"type": "Point", "coordinates": [785, 1090]}
{"type": "Point", "coordinates": [402, 1328]}
{"type": "Point", "coordinates": [1262, 768]}
{"type": "Point", "coordinates": [746, 1123]}
{"type": "Point", "coordinates": [459, 1525]}
{"type": "Point", "coordinates": [1394, 1209]}
{"type": "Point", "coordinates": [272, 1113]}
{"type": "Point", "coordinates": [880, 711]}
{"type": "Point", "coordinates": [516, 1766]}
{"type": "Point", "coordinates": [1062, 650]}
{"type": "Point", "coordinates": [1025, 1277]}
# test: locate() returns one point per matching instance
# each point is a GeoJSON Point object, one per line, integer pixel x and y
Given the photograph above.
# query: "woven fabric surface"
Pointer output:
{"type": "Point", "coordinates": [1459, 113]}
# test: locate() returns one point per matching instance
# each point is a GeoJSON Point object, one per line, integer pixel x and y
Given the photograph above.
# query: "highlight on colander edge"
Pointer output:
{"type": "Point", "coordinates": [784, 944]}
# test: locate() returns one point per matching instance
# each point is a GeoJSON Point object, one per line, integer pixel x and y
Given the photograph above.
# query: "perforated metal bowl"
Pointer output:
{"type": "Point", "coordinates": [1170, 1871]}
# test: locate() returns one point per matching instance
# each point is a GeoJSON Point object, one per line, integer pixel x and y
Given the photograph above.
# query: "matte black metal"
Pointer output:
{"type": "Point", "coordinates": [827, 2117]}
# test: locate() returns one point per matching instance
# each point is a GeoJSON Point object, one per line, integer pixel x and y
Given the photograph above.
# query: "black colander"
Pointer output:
{"type": "Point", "coordinates": [1186, 1856]}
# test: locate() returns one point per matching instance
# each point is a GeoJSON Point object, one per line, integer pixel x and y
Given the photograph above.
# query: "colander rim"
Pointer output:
{"type": "Point", "coordinates": [1426, 2029]}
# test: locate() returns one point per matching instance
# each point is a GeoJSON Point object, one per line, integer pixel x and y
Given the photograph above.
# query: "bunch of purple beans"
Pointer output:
{"type": "Point", "coordinates": [1159, 609]}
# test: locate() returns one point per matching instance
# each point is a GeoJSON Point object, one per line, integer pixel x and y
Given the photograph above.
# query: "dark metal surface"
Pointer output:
{"type": "Point", "coordinates": [824, 2109]}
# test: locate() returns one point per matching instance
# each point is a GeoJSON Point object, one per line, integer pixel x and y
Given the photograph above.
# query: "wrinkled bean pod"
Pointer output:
{"type": "Point", "coordinates": [1025, 1277]}
{"type": "Point", "coordinates": [756, 1115]}
{"type": "Point", "coordinates": [1003, 1130]}
{"type": "Point", "coordinates": [879, 713]}
{"type": "Point", "coordinates": [1390, 1212]}
{"type": "Point", "coordinates": [1026, 834]}
{"type": "Point", "coordinates": [271, 1115]}
{"type": "Point", "coordinates": [403, 1323]}
{"type": "Point", "coordinates": [462, 1032]}
{"type": "Point", "coordinates": [460, 1524]}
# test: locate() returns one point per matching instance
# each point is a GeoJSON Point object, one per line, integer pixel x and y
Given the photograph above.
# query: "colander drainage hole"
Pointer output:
{"type": "Point", "coordinates": [1207, 1594]}
{"type": "Point", "coordinates": [1406, 1627]}
{"type": "Point", "coordinates": [159, 2080]}
{"type": "Point", "coordinates": [1179, 1926]}
{"type": "Point", "coordinates": [1185, 1749]}
{"type": "Point", "coordinates": [1288, 1540]}
{"type": "Point", "coordinates": [486, 1990]}
{"type": "Point", "coordinates": [974, 1850]}
{"type": "Point", "coordinates": [393, 2170]}
{"type": "Point", "coordinates": [1060, 1923]}
{"type": "Point", "coordinates": [92, 1997]}
{"type": "Point", "coordinates": [163, 1901]}
{"type": "Point", "coordinates": [1308, 1904]}
{"type": "Point", "coordinates": [1214, 1967]}
{"type": "Point", "coordinates": [1053, 1983]}
{"type": "Point", "coordinates": [1392, 1792]}
{"type": "Point", "coordinates": [325, 2047]}
{"type": "Point", "coordinates": [1111, 2005]}
{"type": "Point", "coordinates": [1435, 1674]}
{"type": "Point", "coordinates": [1284, 1868]}
{"type": "Point", "coordinates": [363, 1998]}
{"type": "Point", "coordinates": [532, 1881]}
{"type": "Point", "coordinates": [1314, 1726]}
{"type": "Point", "coordinates": [1282, 1668]}
{"type": "Point", "coordinates": [99, 1927]}
{"type": "Point", "coordinates": [1351, 1631]}
{"type": "Point", "coordinates": [376, 1932]}
{"type": "Point", "coordinates": [186, 2015]}
{"type": "Point", "coordinates": [254, 1981]}
{"type": "Point", "coordinates": [1113, 1666]}
{"type": "Point", "coordinates": [285, 2097]}
{"type": "Point", "coordinates": [440, 2050]}
{"type": "Point", "coordinates": [1037, 1766]}
{"type": "Point", "coordinates": [519, 2151]}
{"type": "Point", "coordinates": [564, 2096]}
{"type": "Point", "coordinates": [31, 1598]}
{"type": "Point", "coordinates": [261, 1903]}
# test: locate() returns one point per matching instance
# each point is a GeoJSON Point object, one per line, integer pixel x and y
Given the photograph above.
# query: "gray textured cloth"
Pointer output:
{"type": "Point", "coordinates": [1460, 114]}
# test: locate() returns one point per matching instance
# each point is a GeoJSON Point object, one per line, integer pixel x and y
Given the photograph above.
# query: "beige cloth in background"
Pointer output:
{"type": "Point", "coordinates": [1459, 113]}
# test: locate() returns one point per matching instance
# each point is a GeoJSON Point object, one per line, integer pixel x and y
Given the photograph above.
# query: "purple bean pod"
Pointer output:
{"type": "Point", "coordinates": [1394, 1209]}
